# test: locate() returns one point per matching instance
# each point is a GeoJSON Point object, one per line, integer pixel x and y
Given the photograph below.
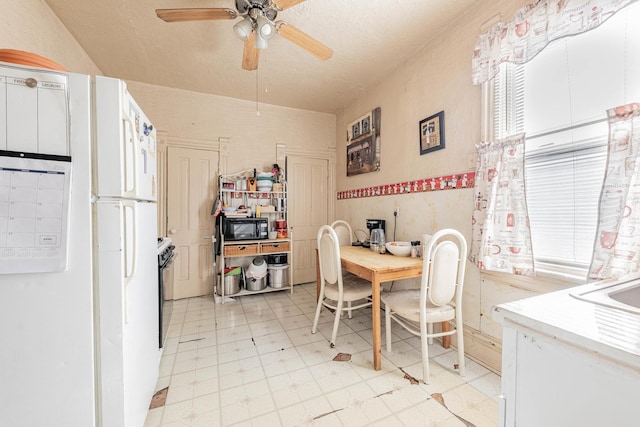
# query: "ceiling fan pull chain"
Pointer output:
{"type": "Point", "coordinates": [265, 80]}
{"type": "Point", "coordinates": [257, 109]}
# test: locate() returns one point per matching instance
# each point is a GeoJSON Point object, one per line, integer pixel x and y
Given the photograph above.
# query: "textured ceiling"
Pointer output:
{"type": "Point", "coordinates": [369, 38]}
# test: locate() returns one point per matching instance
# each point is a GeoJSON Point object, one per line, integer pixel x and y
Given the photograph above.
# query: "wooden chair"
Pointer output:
{"type": "Point", "coordinates": [439, 298]}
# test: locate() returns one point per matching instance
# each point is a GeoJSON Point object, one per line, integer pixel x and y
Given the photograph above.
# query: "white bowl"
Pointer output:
{"type": "Point", "coordinates": [399, 248]}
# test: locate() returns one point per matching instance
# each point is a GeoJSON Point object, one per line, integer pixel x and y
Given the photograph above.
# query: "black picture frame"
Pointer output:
{"type": "Point", "coordinates": [431, 135]}
{"type": "Point", "coordinates": [355, 130]}
{"type": "Point", "coordinates": [366, 125]}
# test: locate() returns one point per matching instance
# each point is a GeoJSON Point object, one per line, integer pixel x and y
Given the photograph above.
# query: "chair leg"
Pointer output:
{"type": "Point", "coordinates": [336, 322]}
{"type": "Point", "coordinates": [387, 326]}
{"type": "Point", "coordinates": [349, 310]}
{"type": "Point", "coordinates": [460, 341]}
{"type": "Point", "coordinates": [430, 332]}
{"type": "Point", "coordinates": [424, 343]}
{"type": "Point", "coordinates": [318, 309]}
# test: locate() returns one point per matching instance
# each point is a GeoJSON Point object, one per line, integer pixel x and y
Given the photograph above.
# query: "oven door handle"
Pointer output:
{"type": "Point", "coordinates": [168, 262]}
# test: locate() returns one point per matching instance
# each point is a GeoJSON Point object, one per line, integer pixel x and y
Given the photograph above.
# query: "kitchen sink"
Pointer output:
{"type": "Point", "coordinates": [622, 294]}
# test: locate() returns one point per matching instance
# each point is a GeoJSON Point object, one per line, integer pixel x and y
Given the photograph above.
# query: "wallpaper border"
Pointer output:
{"type": "Point", "coordinates": [448, 182]}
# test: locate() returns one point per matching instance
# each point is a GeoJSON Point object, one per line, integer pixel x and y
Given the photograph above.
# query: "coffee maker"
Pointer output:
{"type": "Point", "coordinates": [375, 224]}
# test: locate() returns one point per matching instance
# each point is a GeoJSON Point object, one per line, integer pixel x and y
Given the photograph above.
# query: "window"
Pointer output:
{"type": "Point", "coordinates": [559, 99]}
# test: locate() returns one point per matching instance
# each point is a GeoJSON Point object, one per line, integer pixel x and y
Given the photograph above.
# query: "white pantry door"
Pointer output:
{"type": "Point", "coordinates": [307, 182]}
{"type": "Point", "coordinates": [191, 188]}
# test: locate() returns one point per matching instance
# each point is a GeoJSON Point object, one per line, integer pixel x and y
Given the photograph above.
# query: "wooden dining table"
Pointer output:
{"type": "Point", "coordinates": [377, 269]}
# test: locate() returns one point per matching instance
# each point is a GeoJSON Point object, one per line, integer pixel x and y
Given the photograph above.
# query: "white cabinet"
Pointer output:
{"type": "Point", "coordinates": [549, 382]}
{"type": "Point", "coordinates": [271, 205]}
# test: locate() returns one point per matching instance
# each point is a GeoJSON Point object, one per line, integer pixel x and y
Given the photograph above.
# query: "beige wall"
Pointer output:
{"type": "Point", "coordinates": [32, 26]}
{"type": "Point", "coordinates": [437, 78]}
{"type": "Point", "coordinates": [252, 137]}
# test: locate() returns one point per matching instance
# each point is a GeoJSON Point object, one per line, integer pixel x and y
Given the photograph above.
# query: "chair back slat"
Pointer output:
{"type": "Point", "coordinates": [443, 273]}
{"type": "Point", "coordinates": [443, 267]}
{"type": "Point", "coordinates": [329, 254]}
{"type": "Point", "coordinates": [327, 258]}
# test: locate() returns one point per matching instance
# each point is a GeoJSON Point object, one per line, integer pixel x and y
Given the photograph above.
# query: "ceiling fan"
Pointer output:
{"type": "Point", "coordinates": [256, 27]}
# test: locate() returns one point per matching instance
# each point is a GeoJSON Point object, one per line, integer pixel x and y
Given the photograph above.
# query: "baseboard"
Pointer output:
{"type": "Point", "coordinates": [483, 349]}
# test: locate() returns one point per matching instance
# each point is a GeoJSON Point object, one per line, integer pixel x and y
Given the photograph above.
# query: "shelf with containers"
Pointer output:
{"type": "Point", "coordinates": [243, 241]}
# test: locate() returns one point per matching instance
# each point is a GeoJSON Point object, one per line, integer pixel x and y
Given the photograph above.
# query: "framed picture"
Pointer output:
{"type": "Point", "coordinates": [366, 125]}
{"type": "Point", "coordinates": [432, 133]}
{"type": "Point", "coordinates": [363, 144]}
{"type": "Point", "coordinates": [355, 130]}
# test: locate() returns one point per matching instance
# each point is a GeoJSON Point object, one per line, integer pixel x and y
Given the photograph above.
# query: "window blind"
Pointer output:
{"type": "Point", "coordinates": [563, 183]}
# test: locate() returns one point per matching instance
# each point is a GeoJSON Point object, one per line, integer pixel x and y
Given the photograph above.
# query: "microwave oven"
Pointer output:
{"type": "Point", "coordinates": [245, 228]}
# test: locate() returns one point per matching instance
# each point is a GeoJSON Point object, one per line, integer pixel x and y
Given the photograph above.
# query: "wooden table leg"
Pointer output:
{"type": "Point", "coordinates": [375, 320]}
{"type": "Point", "coordinates": [446, 340]}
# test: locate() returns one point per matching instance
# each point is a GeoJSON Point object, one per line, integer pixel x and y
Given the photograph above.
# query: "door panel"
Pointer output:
{"type": "Point", "coordinates": [191, 184]}
{"type": "Point", "coordinates": [128, 327]}
{"type": "Point", "coordinates": [307, 180]}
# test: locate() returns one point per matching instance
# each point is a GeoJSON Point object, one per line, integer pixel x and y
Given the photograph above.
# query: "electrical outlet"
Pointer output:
{"type": "Point", "coordinates": [396, 211]}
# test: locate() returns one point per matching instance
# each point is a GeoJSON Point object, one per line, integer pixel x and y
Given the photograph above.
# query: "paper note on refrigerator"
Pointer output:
{"type": "Point", "coordinates": [34, 212]}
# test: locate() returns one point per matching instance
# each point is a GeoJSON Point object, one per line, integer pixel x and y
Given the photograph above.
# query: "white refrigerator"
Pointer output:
{"type": "Point", "coordinates": [125, 255]}
{"type": "Point", "coordinates": [80, 346]}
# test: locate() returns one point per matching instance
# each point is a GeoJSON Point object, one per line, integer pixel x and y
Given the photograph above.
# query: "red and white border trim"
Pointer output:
{"type": "Point", "coordinates": [449, 182]}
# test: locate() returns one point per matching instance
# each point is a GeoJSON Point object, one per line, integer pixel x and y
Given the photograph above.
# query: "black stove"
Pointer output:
{"type": "Point", "coordinates": [163, 243]}
{"type": "Point", "coordinates": [165, 285]}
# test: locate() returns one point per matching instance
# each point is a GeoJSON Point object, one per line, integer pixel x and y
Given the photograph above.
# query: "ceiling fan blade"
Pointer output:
{"type": "Point", "coordinates": [251, 55]}
{"type": "Point", "coordinates": [284, 4]}
{"type": "Point", "coordinates": [196, 14]}
{"type": "Point", "coordinates": [303, 40]}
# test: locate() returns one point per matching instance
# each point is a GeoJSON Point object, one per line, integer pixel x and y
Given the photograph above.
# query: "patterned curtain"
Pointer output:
{"type": "Point", "coordinates": [501, 238]}
{"type": "Point", "coordinates": [533, 27]}
{"type": "Point", "coordinates": [617, 245]}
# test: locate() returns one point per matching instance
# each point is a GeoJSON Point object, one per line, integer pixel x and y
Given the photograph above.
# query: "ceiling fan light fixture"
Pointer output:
{"type": "Point", "coordinates": [243, 29]}
{"type": "Point", "coordinates": [265, 27]}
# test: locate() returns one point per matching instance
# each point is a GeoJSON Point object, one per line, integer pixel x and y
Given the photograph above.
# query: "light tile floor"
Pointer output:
{"type": "Point", "coordinates": [254, 362]}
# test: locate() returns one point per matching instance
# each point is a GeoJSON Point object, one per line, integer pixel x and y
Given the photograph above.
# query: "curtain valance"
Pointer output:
{"type": "Point", "coordinates": [533, 27]}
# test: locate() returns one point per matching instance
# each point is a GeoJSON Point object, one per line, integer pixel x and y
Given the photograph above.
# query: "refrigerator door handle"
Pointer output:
{"type": "Point", "coordinates": [131, 240]}
{"type": "Point", "coordinates": [129, 160]}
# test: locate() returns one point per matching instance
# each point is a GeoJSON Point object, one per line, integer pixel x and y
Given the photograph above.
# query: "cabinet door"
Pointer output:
{"type": "Point", "coordinates": [556, 384]}
{"type": "Point", "coordinates": [506, 415]}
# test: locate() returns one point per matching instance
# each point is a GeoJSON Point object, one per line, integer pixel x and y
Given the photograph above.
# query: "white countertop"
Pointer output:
{"type": "Point", "coordinates": [610, 332]}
